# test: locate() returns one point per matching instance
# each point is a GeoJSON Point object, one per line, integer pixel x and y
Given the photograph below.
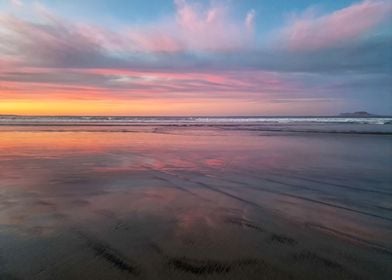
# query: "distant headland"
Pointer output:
{"type": "Point", "coordinates": [360, 114]}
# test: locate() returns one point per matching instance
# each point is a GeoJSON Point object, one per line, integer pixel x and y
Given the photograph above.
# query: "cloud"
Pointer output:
{"type": "Point", "coordinates": [200, 52]}
{"type": "Point", "coordinates": [250, 18]}
{"type": "Point", "coordinates": [309, 31]}
{"type": "Point", "coordinates": [195, 28]}
{"type": "Point", "coordinates": [212, 29]}
{"type": "Point", "coordinates": [17, 3]}
{"type": "Point", "coordinates": [198, 37]}
{"type": "Point", "coordinates": [57, 43]}
{"type": "Point", "coordinates": [48, 39]}
{"type": "Point", "coordinates": [123, 84]}
{"type": "Point", "coordinates": [52, 42]}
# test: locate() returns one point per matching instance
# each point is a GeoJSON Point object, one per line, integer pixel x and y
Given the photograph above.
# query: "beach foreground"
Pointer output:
{"type": "Point", "coordinates": [193, 202]}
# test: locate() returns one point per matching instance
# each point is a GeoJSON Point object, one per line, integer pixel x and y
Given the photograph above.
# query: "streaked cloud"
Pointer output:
{"type": "Point", "coordinates": [309, 31]}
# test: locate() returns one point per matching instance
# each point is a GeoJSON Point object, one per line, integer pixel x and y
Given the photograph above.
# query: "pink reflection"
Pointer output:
{"type": "Point", "coordinates": [215, 163]}
{"type": "Point", "coordinates": [49, 179]}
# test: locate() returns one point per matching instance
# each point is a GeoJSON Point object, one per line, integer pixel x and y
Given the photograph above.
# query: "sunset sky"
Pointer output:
{"type": "Point", "coordinates": [188, 57]}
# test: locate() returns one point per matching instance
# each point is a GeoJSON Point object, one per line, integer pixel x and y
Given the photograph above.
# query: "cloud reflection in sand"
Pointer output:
{"type": "Point", "coordinates": [183, 194]}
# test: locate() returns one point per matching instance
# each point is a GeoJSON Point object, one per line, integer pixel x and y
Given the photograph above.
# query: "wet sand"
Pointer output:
{"type": "Point", "coordinates": [161, 202]}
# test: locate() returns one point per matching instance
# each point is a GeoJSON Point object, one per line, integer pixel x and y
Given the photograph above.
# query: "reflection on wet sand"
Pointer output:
{"type": "Point", "coordinates": [194, 203]}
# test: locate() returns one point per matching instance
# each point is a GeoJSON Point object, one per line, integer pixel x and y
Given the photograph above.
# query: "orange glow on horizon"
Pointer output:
{"type": "Point", "coordinates": [79, 107]}
{"type": "Point", "coordinates": [114, 107]}
{"type": "Point", "coordinates": [150, 107]}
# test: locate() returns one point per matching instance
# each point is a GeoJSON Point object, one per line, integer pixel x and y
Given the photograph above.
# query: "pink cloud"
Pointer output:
{"type": "Point", "coordinates": [17, 3]}
{"type": "Point", "coordinates": [121, 84]}
{"type": "Point", "coordinates": [195, 28]}
{"type": "Point", "coordinates": [192, 28]}
{"type": "Point", "coordinates": [309, 32]}
{"type": "Point", "coordinates": [212, 28]}
{"type": "Point", "coordinates": [49, 41]}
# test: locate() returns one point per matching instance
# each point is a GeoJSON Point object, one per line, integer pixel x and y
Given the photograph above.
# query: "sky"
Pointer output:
{"type": "Point", "coordinates": [189, 57]}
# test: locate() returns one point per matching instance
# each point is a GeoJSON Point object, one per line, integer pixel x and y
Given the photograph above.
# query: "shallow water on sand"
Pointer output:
{"type": "Point", "coordinates": [191, 202]}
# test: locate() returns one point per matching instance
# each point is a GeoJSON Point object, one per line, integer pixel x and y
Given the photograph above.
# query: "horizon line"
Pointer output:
{"type": "Point", "coordinates": [199, 116]}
